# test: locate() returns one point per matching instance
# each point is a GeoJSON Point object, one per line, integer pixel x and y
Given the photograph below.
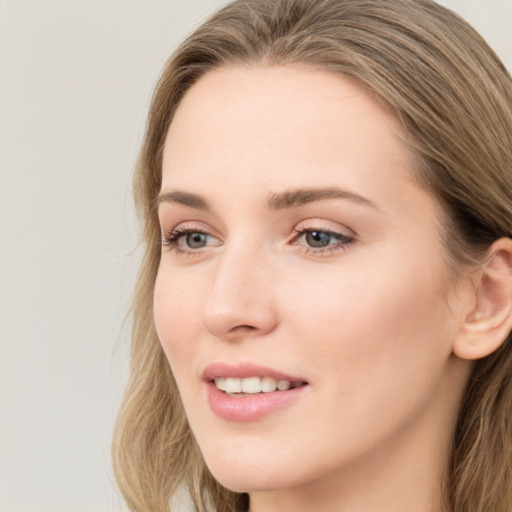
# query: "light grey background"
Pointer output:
{"type": "Point", "coordinates": [75, 81]}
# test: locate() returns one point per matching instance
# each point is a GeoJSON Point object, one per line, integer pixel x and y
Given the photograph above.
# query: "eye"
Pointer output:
{"type": "Point", "coordinates": [195, 240]}
{"type": "Point", "coordinates": [320, 241]}
{"type": "Point", "coordinates": [187, 240]}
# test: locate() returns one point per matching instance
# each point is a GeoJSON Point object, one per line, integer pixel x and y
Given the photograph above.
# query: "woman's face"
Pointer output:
{"type": "Point", "coordinates": [299, 252]}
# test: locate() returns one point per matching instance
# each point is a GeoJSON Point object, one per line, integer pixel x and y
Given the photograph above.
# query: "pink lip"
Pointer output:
{"type": "Point", "coordinates": [247, 408]}
{"type": "Point", "coordinates": [241, 371]}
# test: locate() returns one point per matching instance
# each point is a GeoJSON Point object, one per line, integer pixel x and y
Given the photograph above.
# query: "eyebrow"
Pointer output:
{"type": "Point", "coordinates": [184, 198]}
{"type": "Point", "coordinates": [276, 201]}
{"type": "Point", "coordinates": [302, 196]}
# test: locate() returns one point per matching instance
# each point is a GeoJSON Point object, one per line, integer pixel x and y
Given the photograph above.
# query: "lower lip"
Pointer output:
{"type": "Point", "coordinates": [249, 408]}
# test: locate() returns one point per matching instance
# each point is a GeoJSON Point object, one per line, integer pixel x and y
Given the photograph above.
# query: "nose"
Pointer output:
{"type": "Point", "coordinates": [240, 303]}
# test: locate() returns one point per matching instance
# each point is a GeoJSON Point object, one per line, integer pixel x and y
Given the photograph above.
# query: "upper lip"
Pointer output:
{"type": "Point", "coordinates": [244, 370]}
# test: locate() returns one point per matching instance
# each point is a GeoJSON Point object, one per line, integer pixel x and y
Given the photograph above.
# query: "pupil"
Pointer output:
{"type": "Point", "coordinates": [318, 239]}
{"type": "Point", "coordinates": [196, 240]}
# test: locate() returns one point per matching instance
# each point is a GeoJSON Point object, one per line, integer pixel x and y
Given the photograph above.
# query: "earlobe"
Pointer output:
{"type": "Point", "coordinates": [489, 322]}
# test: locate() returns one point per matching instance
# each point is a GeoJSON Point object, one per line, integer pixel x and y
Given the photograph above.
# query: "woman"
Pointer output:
{"type": "Point", "coordinates": [325, 323]}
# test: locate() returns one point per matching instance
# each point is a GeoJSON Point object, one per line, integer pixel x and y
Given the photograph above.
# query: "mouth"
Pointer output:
{"type": "Point", "coordinates": [248, 392]}
{"type": "Point", "coordinates": [250, 386]}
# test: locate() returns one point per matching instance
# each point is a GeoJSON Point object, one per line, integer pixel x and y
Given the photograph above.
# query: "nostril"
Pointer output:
{"type": "Point", "coordinates": [240, 331]}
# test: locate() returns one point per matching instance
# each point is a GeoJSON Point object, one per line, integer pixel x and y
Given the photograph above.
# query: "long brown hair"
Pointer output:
{"type": "Point", "coordinates": [454, 98]}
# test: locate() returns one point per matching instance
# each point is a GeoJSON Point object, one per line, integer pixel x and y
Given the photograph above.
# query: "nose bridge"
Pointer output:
{"type": "Point", "coordinates": [240, 296]}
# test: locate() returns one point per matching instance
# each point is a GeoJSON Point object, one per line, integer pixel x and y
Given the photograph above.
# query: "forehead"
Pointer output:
{"type": "Point", "coordinates": [276, 127]}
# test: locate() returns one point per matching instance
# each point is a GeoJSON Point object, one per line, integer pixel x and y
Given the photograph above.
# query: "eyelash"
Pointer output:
{"type": "Point", "coordinates": [344, 241]}
{"type": "Point", "coordinates": [172, 239]}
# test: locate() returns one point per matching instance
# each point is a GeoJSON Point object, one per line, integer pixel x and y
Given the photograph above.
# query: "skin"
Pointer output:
{"type": "Point", "coordinates": [369, 321]}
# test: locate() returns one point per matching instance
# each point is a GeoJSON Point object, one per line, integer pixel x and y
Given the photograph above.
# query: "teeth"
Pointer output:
{"type": "Point", "coordinates": [252, 385]}
{"type": "Point", "coordinates": [283, 385]}
{"type": "Point", "coordinates": [220, 383]}
{"type": "Point", "coordinates": [268, 384]}
{"type": "Point", "coordinates": [233, 385]}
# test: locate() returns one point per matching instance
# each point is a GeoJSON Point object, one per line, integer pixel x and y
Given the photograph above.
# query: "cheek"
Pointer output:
{"type": "Point", "coordinates": [176, 309]}
{"type": "Point", "coordinates": [372, 322]}
{"type": "Point", "coordinates": [376, 347]}
{"type": "Point", "coordinates": [372, 298]}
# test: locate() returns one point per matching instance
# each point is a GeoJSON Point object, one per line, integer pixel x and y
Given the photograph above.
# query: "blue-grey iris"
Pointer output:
{"type": "Point", "coordinates": [318, 238]}
{"type": "Point", "coordinates": [196, 240]}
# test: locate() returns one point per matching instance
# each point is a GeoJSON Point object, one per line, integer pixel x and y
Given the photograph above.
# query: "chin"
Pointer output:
{"type": "Point", "coordinates": [243, 473]}
{"type": "Point", "coordinates": [248, 480]}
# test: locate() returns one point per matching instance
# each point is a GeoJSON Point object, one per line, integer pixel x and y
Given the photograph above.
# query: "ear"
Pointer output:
{"type": "Point", "coordinates": [489, 322]}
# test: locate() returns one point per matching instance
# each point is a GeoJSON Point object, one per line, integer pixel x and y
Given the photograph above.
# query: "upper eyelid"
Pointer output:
{"type": "Point", "coordinates": [304, 225]}
{"type": "Point", "coordinates": [325, 225]}
{"type": "Point", "coordinates": [331, 232]}
{"type": "Point", "coordinates": [179, 231]}
{"type": "Point", "coordinates": [190, 225]}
